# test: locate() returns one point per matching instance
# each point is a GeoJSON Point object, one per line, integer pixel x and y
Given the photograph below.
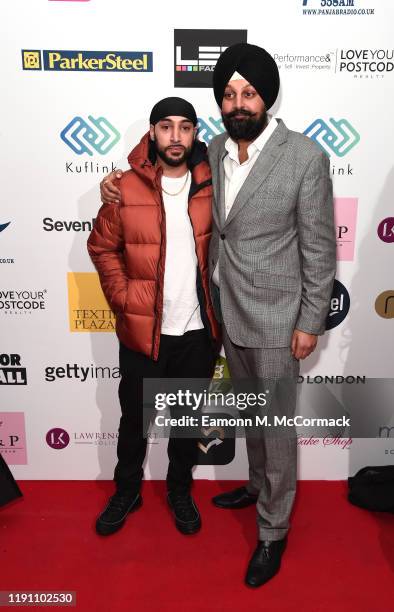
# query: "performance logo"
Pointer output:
{"type": "Point", "coordinates": [87, 61]}
{"type": "Point", "coordinates": [345, 210]}
{"type": "Point", "coordinates": [336, 136]}
{"type": "Point", "coordinates": [339, 305]}
{"type": "Point", "coordinates": [3, 226]}
{"type": "Point", "coordinates": [384, 304]}
{"type": "Point", "coordinates": [386, 229]}
{"type": "Point", "coordinates": [88, 308]}
{"type": "Point", "coordinates": [5, 260]}
{"type": "Point", "coordinates": [209, 129]}
{"type": "Point", "coordinates": [307, 63]}
{"type": "Point", "coordinates": [196, 53]}
{"type": "Point", "coordinates": [22, 302]}
{"type": "Point", "coordinates": [13, 438]}
{"type": "Point", "coordinates": [57, 438]}
{"type": "Point", "coordinates": [95, 135]}
{"type": "Point", "coordinates": [335, 7]}
{"type": "Point", "coordinates": [217, 444]}
{"type": "Point", "coordinates": [11, 371]}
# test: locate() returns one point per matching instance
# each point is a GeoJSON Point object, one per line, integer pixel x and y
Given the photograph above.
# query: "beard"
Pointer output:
{"type": "Point", "coordinates": [173, 161]}
{"type": "Point", "coordinates": [244, 129]}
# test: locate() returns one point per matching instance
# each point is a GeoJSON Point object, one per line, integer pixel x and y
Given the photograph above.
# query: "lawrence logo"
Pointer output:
{"type": "Point", "coordinates": [386, 229]}
{"type": "Point", "coordinates": [196, 53]}
{"type": "Point", "coordinates": [335, 136]}
{"type": "Point", "coordinates": [345, 222]}
{"type": "Point", "coordinates": [31, 60]}
{"type": "Point", "coordinates": [88, 308]}
{"type": "Point", "coordinates": [384, 304]}
{"type": "Point", "coordinates": [209, 129]}
{"type": "Point", "coordinates": [13, 437]}
{"type": "Point", "coordinates": [88, 61]}
{"type": "Point", "coordinates": [95, 135]}
{"type": "Point", "coordinates": [11, 372]}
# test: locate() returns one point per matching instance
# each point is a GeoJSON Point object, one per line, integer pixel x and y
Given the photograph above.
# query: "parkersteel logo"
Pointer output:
{"type": "Point", "coordinates": [335, 136]}
{"type": "Point", "coordinates": [87, 61]}
{"type": "Point", "coordinates": [384, 304]}
{"type": "Point", "coordinates": [96, 135]}
{"type": "Point", "coordinates": [197, 51]}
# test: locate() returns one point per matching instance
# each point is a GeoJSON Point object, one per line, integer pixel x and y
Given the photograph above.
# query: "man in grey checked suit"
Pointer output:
{"type": "Point", "coordinates": [272, 266]}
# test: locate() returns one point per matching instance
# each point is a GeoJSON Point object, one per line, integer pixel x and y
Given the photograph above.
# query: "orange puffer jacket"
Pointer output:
{"type": "Point", "coordinates": [128, 247]}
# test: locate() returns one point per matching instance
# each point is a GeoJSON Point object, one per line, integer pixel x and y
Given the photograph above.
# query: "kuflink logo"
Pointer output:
{"type": "Point", "coordinates": [95, 135]}
{"type": "Point", "coordinates": [335, 136]}
{"type": "Point", "coordinates": [209, 129]}
{"type": "Point", "coordinates": [3, 226]}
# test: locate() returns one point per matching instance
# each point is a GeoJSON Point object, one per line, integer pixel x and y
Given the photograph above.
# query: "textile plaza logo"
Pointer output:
{"type": "Point", "coordinates": [335, 7]}
{"type": "Point", "coordinates": [73, 371]}
{"type": "Point", "coordinates": [13, 437]}
{"type": "Point", "coordinates": [89, 61]}
{"type": "Point", "coordinates": [88, 308]}
{"type": "Point", "coordinates": [339, 305]}
{"type": "Point", "coordinates": [345, 210]}
{"type": "Point", "coordinates": [336, 136]}
{"type": "Point", "coordinates": [365, 63]}
{"type": "Point", "coordinates": [57, 438]}
{"type": "Point", "coordinates": [95, 135]}
{"type": "Point", "coordinates": [386, 229]}
{"type": "Point", "coordinates": [22, 302]}
{"type": "Point", "coordinates": [384, 304]}
{"type": "Point", "coordinates": [11, 371]}
{"type": "Point", "coordinates": [197, 51]}
{"type": "Point", "coordinates": [209, 129]}
{"type": "Point", "coordinates": [53, 225]}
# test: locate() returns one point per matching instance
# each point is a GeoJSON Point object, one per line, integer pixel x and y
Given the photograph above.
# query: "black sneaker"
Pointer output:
{"type": "Point", "coordinates": [186, 514]}
{"type": "Point", "coordinates": [114, 515]}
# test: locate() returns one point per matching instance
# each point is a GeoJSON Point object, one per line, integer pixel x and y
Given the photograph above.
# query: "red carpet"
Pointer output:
{"type": "Point", "coordinates": [338, 557]}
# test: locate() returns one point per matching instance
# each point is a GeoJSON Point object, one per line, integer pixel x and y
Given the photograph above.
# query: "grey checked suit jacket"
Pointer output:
{"type": "Point", "coordinates": [277, 248]}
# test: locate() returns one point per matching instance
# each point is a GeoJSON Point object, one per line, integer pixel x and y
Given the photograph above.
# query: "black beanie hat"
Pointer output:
{"type": "Point", "coordinates": [173, 106]}
{"type": "Point", "coordinates": [255, 64]}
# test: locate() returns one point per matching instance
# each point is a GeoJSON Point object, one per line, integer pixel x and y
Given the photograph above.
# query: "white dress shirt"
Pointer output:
{"type": "Point", "coordinates": [237, 173]}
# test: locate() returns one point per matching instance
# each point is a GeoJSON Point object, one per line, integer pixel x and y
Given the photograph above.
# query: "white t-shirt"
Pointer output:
{"type": "Point", "coordinates": [181, 309]}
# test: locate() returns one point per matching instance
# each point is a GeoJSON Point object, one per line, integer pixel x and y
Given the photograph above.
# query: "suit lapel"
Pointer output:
{"type": "Point", "coordinates": [266, 161]}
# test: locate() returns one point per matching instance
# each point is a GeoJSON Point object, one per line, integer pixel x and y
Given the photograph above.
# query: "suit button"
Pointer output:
{"type": "Point", "coordinates": [223, 236]}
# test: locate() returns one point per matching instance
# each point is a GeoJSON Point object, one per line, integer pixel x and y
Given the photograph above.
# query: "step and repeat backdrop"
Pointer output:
{"type": "Point", "coordinates": [79, 79]}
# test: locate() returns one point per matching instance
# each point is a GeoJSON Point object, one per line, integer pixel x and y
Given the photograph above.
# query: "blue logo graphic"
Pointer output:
{"type": "Point", "coordinates": [4, 225]}
{"type": "Point", "coordinates": [210, 129]}
{"type": "Point", "coordinates": [82, 137]}
{"type": "Point", "coordinates": [337, 137]}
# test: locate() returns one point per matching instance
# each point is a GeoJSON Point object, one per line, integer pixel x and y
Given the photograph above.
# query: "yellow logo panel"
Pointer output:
{"type": "Point", "coordinates": [87, 307]}
{"type": "Point", "coordinates": [31, 60]}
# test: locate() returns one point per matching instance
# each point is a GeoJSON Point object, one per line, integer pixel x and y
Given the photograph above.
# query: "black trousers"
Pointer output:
{"type": "Point", "coordinates": [188, 356]}
{"type": "Point", "coordinates": [9, 490]}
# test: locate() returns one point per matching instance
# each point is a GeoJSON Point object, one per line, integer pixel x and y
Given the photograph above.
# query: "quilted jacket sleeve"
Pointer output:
{"type": "Point", "coordinates": [105, 247]}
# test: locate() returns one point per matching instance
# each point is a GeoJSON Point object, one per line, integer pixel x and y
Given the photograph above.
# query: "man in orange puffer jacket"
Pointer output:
{"type": "Point", "coordinates": [150, 251]}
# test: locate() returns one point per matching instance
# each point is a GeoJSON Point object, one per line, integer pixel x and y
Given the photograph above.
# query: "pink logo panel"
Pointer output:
{"type": "Point", "coordinates": [345, 210]}
{"type": "Point", "coordinates": [13, 438]}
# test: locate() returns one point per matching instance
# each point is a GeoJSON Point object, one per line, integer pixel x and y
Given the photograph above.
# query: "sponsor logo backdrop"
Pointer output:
{"type": "Point", "coordinates": [76, 101]}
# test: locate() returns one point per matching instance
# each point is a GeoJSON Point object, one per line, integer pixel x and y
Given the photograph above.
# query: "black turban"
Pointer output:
{"type": "Point", "coordinates": [173, 106]}
{"type": "Point", "coordinates": [255, 64]}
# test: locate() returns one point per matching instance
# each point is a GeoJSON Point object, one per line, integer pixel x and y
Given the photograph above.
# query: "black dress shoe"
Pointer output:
{"type": "Point", "coordinates": [265, 562]}
{"type": "Point", "coordinates": [115, 513]}
{"type": "Point", "coordinates": [238, 498]}
{"type": "Point", "coordinates": [186, 515]}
